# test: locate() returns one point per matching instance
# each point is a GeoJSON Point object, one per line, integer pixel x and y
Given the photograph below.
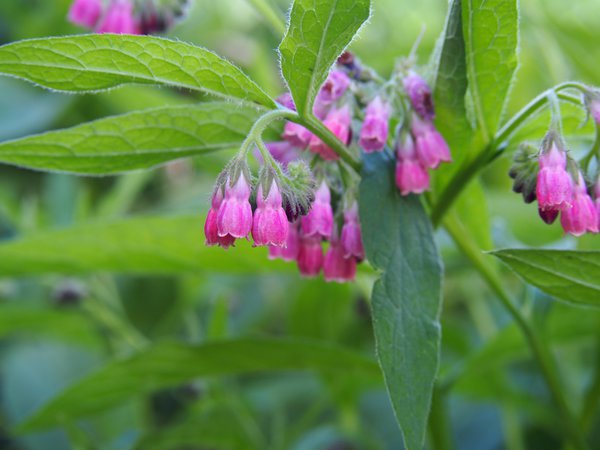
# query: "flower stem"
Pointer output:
{"type": "Point", "coordinates": [265, 8]}
{"type": "Point", "coordinates": [539, 351]}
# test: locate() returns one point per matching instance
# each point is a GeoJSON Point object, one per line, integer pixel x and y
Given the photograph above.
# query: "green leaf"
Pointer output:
{"type": "Point", "coordinates": [406, 300]}
{"type": "Point", "coordinates": [318, 31]}
{"type": "Point", "coordinates": [96, 62]}
{"type": "Point", "coordinates": [133, 141]}
{"type": "Point", "coordinates": [572, 276]}
{"type": "Point", "coordinates": [491, 29]}
{"type": "Point", "coordinates": [169, 364]}
{"type": "Point", "coordinates": [140, 245]}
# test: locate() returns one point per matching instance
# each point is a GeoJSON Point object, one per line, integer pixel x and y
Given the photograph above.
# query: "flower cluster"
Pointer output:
{"type": "Point", "coordinates": [126, 16]}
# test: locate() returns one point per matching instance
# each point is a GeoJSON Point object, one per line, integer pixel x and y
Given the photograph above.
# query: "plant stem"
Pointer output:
{"type": "Point", "coordinates": [539, 351]}
{"type": "Point", "coordinates": [439, 430]}
{"type": "Point", "coordinates": [270, 15]}
{"type": "Point", "coordinates": [592, 395]}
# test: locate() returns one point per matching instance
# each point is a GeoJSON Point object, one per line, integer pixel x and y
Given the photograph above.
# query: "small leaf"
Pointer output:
{"type": "Point", "coordinates": [133, 141]}
{"type": "Point", "coordinates": [491, 29]}
{"type": "Point", "coordinates": [572, 276]}
{"type": "Point", "coordinates": [318, 32]}
{"type": "Point", "coordinates": [96, 62]}
{"type": "Point", "coordinates": [169, 364]}
{"type": "Point", "coordinates": [406, 300]}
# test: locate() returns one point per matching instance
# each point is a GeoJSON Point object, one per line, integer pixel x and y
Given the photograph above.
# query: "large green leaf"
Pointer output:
{"type": "Point", "coordinates": [491, 29]}
{"type": "Point", "coordinates": [101, 61]}
{"type": "Point", "coordinates": [169, 364]}
{"type": "Point", "coordinates": [140, 245]}
{"type": "Point", "coordinates": [318, 31]}
{"type": "Point", "coordinates": [132, 141]}
{"type": "Point", "coordinates": [573, 276]}
{"type": "Point", "coordinates": [406, 300]}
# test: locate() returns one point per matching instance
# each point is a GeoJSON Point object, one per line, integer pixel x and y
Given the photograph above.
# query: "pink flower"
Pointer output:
{"type": "Point", "coordinates": [351, 240]}
{"type": "Point", "coordinates": [375, 128]}
{"type": "Point", "coordinates": [554, 185]}
{"type": "Point", "coordinates": [270, 225]}
{"type": "Point", "coordinates": [430, 146]}
{"type": "Point", "coordinates": [286, 100]}
{"type": "Point", "coordinates": [336, 266]}
{"type": "Point", "coordinates": [289, 252]}
{"type": "Point", "coordinates": [319, 220]}
{"type": "Point", "coordinates": [296, 135]}
{"type": "Point", "coordinates": [210, 226]}
{"type": "Point", "coordinates": [335, 86]}
{"type": "Point", "coordinates": [411, 176]}
{"type": "Point", "coordinates": [419, 93]}
{"type": "Point", "coordinates": [119, 19]}
{"type": "Point", "coordinates": [310, 256]}
{"type": "Point", "coordinates": [582, 216]}
{"type": "Point", "coordinates": [85, 12]}
{"type": "Point", "coordinates": [338, 121]}
{"type": "Point", "coordinates": [594, 106]}
{"type": "Point", "coordinates": [597, 193]}
{"type": "Point", "coordinates": [235, 213]}
{"type": "Point", "coordinates": [548, 215]}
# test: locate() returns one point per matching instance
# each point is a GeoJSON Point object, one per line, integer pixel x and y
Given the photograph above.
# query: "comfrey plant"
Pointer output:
{"type": "Point", "coordinates": [344, 168]}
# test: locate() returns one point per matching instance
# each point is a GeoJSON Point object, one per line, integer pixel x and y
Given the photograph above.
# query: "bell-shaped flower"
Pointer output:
{"type": "Point", "coordinates": [554, 187]}
{"type": "Point", "coordinates": [582, 216]}
{"type": "Point", "coordinates": [235, 213]}
{"type": "Point", "coordinates": [269, 225]}
{"type": "Point", "coordinates": [119, 18]}
{"type": "Point", "coordinates": [319, 220]}
{"type": "Point", "coordinates": [375, 127]}
{"type": "Point", "coordinates": [411, 176]}
{"type": "Point", "coordinates": [289, 252]}
{"type": "Point", "coordinates": [351, 239]}
{"type": "Point", "coordinates": [420, 96]}
{"type": "Point", "coordinates": [430, 146]}
{"type": "Point", "coordinates": [85, 13]}
{"type": "Point", "coordinates": [338, 121]}
{"type": "Point", "coordinates": [211, 232]}
{"type": "Point", "coordinates": [336, 266]}
{"type": "Point", "coordinates": [310, 256]}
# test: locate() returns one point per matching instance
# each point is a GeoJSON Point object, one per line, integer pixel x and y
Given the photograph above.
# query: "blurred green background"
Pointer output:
{"type": "Point", "coordinates": [56, 328]}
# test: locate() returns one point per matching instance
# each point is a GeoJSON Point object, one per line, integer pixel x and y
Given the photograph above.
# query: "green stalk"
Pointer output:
{"type": "Point", "coordinates": [539, 351]}
{"type": "Point", "coordinates": [592, 395]}
{"type": "Point", "coordinates": [270, 15]}
{"type": "Point", "coordinates": [439, 429]}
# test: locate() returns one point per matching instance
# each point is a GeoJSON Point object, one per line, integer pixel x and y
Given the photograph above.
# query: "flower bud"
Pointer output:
{"type": "Point", "coordinates": [548, 215]}
{"type": "Point", "coordinates": [554, 184]}
{"type": "Point", "coordinates": [525, 172]}
{"type": "Point", "coordinates": [289, 252]}
{"type": "Point", "coordinates": [335, 86]}
{"type": "Point", "coordinates": [419, 93]}
{"type": "Point", "coordinates": [411, 176]}
{"type": "Point", "coordinates": [235, 213]}
{"type": "Point", "coordinates": [351, 239]}
{"type": "Point", "coordinates": [430, 146]}
{"type": "Point", "coordinates": [119, 19]}
{"type": "Point", "coordinates": [582, 216]}
{"type": "Point", "coordinates": [85, 12]}
{"type": "Point", "coordinates": [319, 220]}
{"type": "Point", "coordinates": [211, 232]}
{"type": "Point", "coordinates": [337, 267]}
{"type": "Point", "coordinates": [375, 128]}
{"type": "Point", "coordinates": [270, 225]}
{"type": "Point", "coordinates": [310, 256]}
{"type": "Point", "coordinates": [338, 121]}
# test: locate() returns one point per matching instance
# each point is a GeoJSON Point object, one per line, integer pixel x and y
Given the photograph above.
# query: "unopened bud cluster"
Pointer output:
{"type": "Point", "coordinates": [127, 16]}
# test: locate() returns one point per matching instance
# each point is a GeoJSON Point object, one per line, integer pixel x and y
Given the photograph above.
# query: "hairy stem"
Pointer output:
{"type": "Point", "coordinates": [265, 8]}
{"type": "Point", "coordinates": [539, 351]}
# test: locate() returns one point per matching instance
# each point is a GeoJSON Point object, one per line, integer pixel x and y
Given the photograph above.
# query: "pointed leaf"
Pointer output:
{"type": "Point", "coordinates": [406, 300]}
{"type": "Point", "coordinates": [97, 62]}
{"type": "Point", "coordinates": [317, 33]}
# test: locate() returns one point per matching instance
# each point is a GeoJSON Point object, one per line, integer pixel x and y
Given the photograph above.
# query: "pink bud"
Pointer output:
{"type": "Point", "coordinates": [419, 93]}
{"type": "Point", "coordinates": [296, 135]}
{"type": "Point", "coordinates": [411, 176]}
{"type": "Point", "coordinates": [119, 19]}
{"type": "Point", "coordinates": [351, 234]}
{"type": "Point", "coordinates": [310, 256]}
{"type": "Point", "coordinates": [286, 100]}
{"type": "Point", "coordinates": [85, 12]}
{"type": "Point", "coordinates": [554, 184]}
{"type": "Point", "coordinates": [336, 266]}
{"type": "Point", "coordinates": [548, 215]}
{"type": "Point", "coordinates": [338, 121]}
{"type": "Point", "coordinates": [319, 220]}
{"type": "Point", "coordinates": [235, 213]}
{"type": "Point", "coordinates": [335, 86]}
{"type": "Point", "coordinates": [375, 128]}
{"type": "Point", "coordinates": [582, 216]}
{"type": "Point", "coordinates": [430, 146]}
{"type": "Point", "coordinates": [270, 225]}
{"type": "Point", "coordinates": [289, 252]}
{"type": "Point", "coordinates": [210, 226]}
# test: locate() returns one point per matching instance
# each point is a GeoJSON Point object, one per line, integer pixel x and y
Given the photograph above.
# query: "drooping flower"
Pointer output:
{"type": "Point", "coordinates": [211, 232]}
{"type": "Point", "coordinates": [310, 256]}
{"type": "Point", "coordinates": [235, 213]}
{"type": "Point", "coordinates": [289, 252]}
{"type": "Point", "coordinates": [319, 220]}
{"type": "Point", "coordinates": [430, 146]}
{"type": "Point", "coordinates": [85, 12]}
{"type": "Point", "coordinates": [582, 216]}
{"type": "Point", "coordinates": [269, 225]}
{"type": "Point", "coordinates": [419, 93]}
{"type": "Point", "coordinates": [336, 266]}
{"type": "Point", "coordinates": [554, 184]}
{"type": "Point", "coordinates": [335, 86]}
{"type": "Point", "coordinates": [338, 121]}
{"type": "Point", "coordinates": [351, 239]}
{"type": "Point", "coordinates": [119, 19]}
{"type": "Point", "coordinates": [411, 176]}
{"type": "Point", "coordinates": [375, 128]}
